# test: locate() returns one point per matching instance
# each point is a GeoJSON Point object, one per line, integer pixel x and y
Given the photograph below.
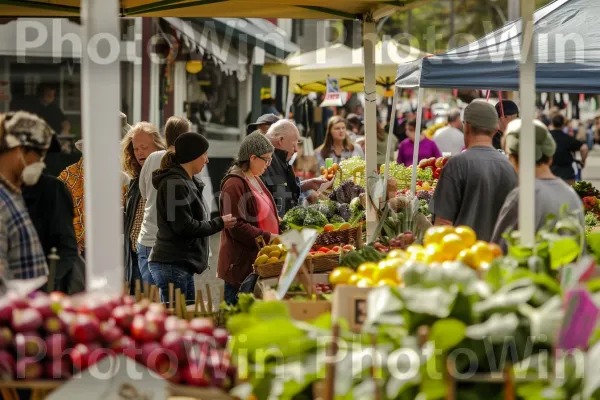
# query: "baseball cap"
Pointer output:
{"type": "Point", "coordinates": [506, 108]}
{"type": "Point", "coordinates": [268, 119]}
{"type": "Point", "coordinates": [544, 142]}
{"type": "Point", "coordinates": [481, 115]}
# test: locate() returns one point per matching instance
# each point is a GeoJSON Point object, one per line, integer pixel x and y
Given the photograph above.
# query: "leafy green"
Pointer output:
{"type": "Point", "coordinates": [563, 252]}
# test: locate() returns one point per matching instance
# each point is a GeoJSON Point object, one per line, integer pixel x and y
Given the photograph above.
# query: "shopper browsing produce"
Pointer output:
{"type": "Point", "coordinates": [507, 111]}
{"type": "Point", "coordinates": [551, 192]}
{"type": "Point", "coordinates": [427, 147]}
{"type": "Point", "coordinates": [566, 145]}
{"type": "Point", "coordinates": [181, 247]}
{"type": "Point", "coordinates": [337, 144]}
{"type": "Point", "coordinates": [472, 189]}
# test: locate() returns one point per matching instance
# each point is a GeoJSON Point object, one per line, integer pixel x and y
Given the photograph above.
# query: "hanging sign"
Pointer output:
{"type": "Point", "coordinates": [333, 97]}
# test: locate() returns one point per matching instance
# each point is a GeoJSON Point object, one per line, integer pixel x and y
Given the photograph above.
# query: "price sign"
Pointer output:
{"type": "Point", "coordinates": [298, 244]}
{"type": "Point", "coordinates": [581, 315]}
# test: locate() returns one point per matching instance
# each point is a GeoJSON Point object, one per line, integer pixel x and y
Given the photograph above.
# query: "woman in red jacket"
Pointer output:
{"type": "Point", "coordinates": [245, 197]}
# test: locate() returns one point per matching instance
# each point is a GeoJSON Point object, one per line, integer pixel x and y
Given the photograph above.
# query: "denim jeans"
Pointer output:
{"type": "Point", "coordinates": [230, 294]}
{"type": "Point", "coordinates": [163, 274]}
{"type": "Point", "coordinates": [143, 253]}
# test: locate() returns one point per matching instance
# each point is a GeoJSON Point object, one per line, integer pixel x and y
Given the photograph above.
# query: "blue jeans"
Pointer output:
{"type": "Point", "coordinates": [143, 253]}
{"type": "Point", "coordinates": [230, 294]}
{"type": "Point", "coordinates": [163, 274]}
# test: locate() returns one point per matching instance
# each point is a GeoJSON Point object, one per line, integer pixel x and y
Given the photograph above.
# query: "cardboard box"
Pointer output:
{"type": "Point", "coordinates": [350, 303]}
{"type": "Point", "coordinates": [308, 310]}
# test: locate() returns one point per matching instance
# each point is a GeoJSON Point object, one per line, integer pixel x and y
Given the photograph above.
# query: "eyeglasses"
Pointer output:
{"type": "Point", "coordinates": [266, 160]}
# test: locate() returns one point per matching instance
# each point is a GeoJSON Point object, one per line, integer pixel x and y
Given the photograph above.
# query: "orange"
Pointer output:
{"type": "Point", "coordinates": [367, 269]}
{"type": "Point", "coordinates": [483, 253]}
{"type": "Point", "coordinates": [435, 234]}
{"type": "Point", "coordinates": [340, 275]}
{"type": "Point", "coordinates": [467, 234]}
{"type": "Point", "coordinates": [496, 250]}
{"type": "Point", "coordinates": [328, 228]}
{"type": "Point", "coordinates": [469, 258]}
{"type": "Point", "coordinates": [354, 278]}
{"type": "Point", "coordinates": [451, 246]}
{"type": "Point", "coordinates": [365, 282]}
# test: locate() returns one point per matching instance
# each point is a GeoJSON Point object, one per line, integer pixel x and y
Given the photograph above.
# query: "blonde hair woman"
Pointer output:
{"type": "Point", "coordinates": [142, 140]}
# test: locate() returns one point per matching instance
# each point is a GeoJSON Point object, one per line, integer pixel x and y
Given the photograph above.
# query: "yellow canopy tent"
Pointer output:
{"type": "Point", "coordinates": [300, 59]}
{"type": "Point", "coordinates": [101, 93]}
{"type": "Point", "coordinates": [350, 69]}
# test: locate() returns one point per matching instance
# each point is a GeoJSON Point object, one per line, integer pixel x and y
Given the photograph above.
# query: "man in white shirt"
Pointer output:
{"type": "Point", "coordinates": [450, 139]}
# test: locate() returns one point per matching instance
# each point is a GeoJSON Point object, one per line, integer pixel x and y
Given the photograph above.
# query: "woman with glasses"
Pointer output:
{"type": "Point", "coordinates": [244, 196]}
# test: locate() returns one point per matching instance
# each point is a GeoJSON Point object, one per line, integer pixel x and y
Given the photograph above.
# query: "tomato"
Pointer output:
{"type": "Point", "coordinates": [329, 228]}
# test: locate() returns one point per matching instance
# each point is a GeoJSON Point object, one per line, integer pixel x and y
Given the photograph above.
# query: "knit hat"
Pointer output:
{"type": "Point", "coordinates": [506, 108]}
{"type": "Point", "coordinates": [544, 142]}
{"type": "Point", "coordinates": [255, 144]}
{"type": "Point", "coordinates": [267, 119]}
{"type": "Point", "coordinates": [481, 115]}
{"type": "Point", "coordinates": [190, 146]}
{"type": "Point", "coordinates": [24, 129]}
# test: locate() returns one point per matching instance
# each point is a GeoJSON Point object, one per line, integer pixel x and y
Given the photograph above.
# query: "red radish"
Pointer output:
{"type": "Point", "coordinates": [110, 332]}
{"type": "Point", "coordinates": [172, 323]}
{"type": "Point", "coordinates": [84, 329]}
{"type": "Point", "coordinates": [123, 316]}
{"type": "Point", "coordinates": [53, 325]}
{"type": "Point", "coordinates": [24, 320]}
{"type": "Point", "coordinates": [85, 355]}
{"type": "Point", "coordinates": [157, 317]}
{"type": "Point", "coordinates": [194, 374]}
{"type": "Point", "coordinates": [141, 308]}
{"type": "Point", "coordinates": [175, 343]}
{"type": "Point", "coordinates": [30, 344]}
{"type": "Point", "coordinates": [154, 357]}
{"type": "Point", "coordinates": [202, 325]}
{"type": "Point", "coordinates": [57, 297]}
{"type": "Point", "coordinates": [124, 344]}
{"type": "Point", "coordinates": [128, 301]}
{"type": "Point", "coordinates": [6, 337]}
{"type": "Point", "coordinates": [7, 365]}
{"type": "Point", "coordinates": [144, 330]}
{"type": "Point", "coordinates": [157, 308]}
{"type": "Point", "coordinates": [18, 301]}
{"type": "Point", "coordinates": [28, 368]}
{"type": "Point", "coordinates": [56, 345]}
{"type": "Point", "coordinates": [58, 368]}
{"type": "Point", "coordinates": [6, 310]}
{"type": "Point", "coordinates": [221, 336]}
{"type": "Point", "coordinates": [101, 311]}
{"type": "Point", "coordinates": [66, 318]}
{"type": "Point", "coordinates": [44, 306]}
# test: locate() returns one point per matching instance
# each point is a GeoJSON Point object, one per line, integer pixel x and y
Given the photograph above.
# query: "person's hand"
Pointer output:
{"type": "Point", "coordinates": [313, 184]}
{"type": "Point", "coordinates": [229, 221]}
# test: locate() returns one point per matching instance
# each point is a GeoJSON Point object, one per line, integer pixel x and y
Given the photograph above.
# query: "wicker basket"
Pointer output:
{"type": "Point", "coordinates": [351, 236]}
{"type": "Point", "coordinates": [325, 263]}
{"type": "Point", "coordinates": [269, 270]}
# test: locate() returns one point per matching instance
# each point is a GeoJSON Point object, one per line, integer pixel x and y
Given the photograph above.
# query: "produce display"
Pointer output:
{"type": "Point", "coordinates": [429, 132]}
{"type": "Point", "coordinates": [55, 336]}
{"type": "Point", "coordinates": [317, 251]}
{"type": "Point", "coordinates": [403, 175]}
{"type": "Point", "coordinates": [435, 165]}
{"type": "Point", "coordinates": [329, 173]}
{"type": "Point", "coordinates": [591, 203]}
{"type": "Point", "coordinates": [271, 254]}
{"type": "Point", "coordinates": [351, 168]}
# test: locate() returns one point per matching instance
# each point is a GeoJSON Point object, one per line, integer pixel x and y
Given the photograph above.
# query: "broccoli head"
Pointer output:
{"type": "Point", "coordinates": [327, 208]}
{"type": "Point", "coordinates": [315, 218]}
{"type": "Point", "coordinates": [296, 216]}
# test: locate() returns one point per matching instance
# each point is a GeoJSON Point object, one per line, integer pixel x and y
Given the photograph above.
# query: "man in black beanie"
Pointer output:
{"type": "Point", "coordinates": [507, 111]}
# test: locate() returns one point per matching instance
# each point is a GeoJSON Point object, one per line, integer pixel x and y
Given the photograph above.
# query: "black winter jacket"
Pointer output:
{"type": "Point", "coordinates": [182, 219]}
{"type": "Point", "coordinates": [132, 200]}
{"type": "Point", "coordinates": [281, 181]}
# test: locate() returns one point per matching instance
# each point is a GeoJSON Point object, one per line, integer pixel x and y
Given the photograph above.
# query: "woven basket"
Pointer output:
{"type": "Point", "coordinates": [347, 236]}
{"type": "Point", "coordinates": [269, 270]}
{"type": "Point", "coordinates": [325, 263]}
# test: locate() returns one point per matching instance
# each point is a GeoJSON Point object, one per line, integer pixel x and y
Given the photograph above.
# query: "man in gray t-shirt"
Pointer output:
{"type": "Point", "coordinates": [475, 183]}
{"type": "Point", "coordinates": [551, 192]}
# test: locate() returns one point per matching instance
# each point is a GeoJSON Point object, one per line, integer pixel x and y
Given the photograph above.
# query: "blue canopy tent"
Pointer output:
{"type": "Point", "coordinates": [566, 49]}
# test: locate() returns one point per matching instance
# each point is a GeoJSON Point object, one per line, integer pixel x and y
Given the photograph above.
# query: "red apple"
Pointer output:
{"type": "Point", "coordinates": [56, 345]}
{"type": "Point", "coordinates": [66, 304]}
{"type": "Point", "coordinates": [128, 301]}
{"type": "Point", "coordinates": [172, 323]}
{"type": "Point", "coordinates": [124, 344]}
{"type": "Point", "coordinates": [84, 329]}
{"type": "Point", "coordinates": [24, 320]}
{"type": "Point", "coordinates": [221, 336]}
{"type": "Point", "coordinates": [123, 316]}
{"type": "Point", "coordinates": [144, 330]}
{"type": "Point", "coordinates": [194, 374]}
{"type": "Point", "coordinates": [54, 325]}
{"type": "Point", "coordinates": [202, 325]}
{"type": "Point", "coordinates": [18, 301]}
{"type": "Point", "coordinates": [59, 368]}
{"type": "Point", "coordinates": [153, 356]}
{"type": "Point", "coordinates": [157, 317]}
{"type": "Point", "coordinates": [28, 368]}
{"type": "Point", "coordinates": [6, 337]}
{"type": "Point", "coordinates": [29, 344]}
{"type": "Point", "coordinates": [6, 310]}
{"type": "Point", "coordinates": [175, 343]}
{"type": "Point", "coordinates": [44, 306]}
{"type": "Point", "coordinates": [101, 311]}
{"type": "Point", "coordinates": [7, 365]}
{"type": "Point", "coordinates": [85, 355]}
{"type": "Point", "coordinates": [110, 332]}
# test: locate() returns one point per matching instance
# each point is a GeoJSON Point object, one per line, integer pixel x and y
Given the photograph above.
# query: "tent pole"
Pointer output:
{"type": "Point", "coordinates": [388, 151]}
{"type": "Point", "coordinates": [413, 182]}
{"type": "Point", "coordinates": [527, 156]}
{"type": "Point", "coordinates": [369, 42]}
{"type": "Point", "coordinates": [101, 130]}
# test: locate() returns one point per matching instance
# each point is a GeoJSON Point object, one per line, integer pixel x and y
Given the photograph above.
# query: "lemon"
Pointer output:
{"type": "Point", "coordinates": [365, 283]}
{"type": "Point", "coordinates": [367, 269]}
{"type": "Point", "coordinates": [467, 234]}
{"type": "Point", "coordinates": [468, 257]}
{"type": "Point", "coordinates": [413, 248]}
{"type": "Point", "coordinates": [354, 278]}
{"type": "Point", "coordinates": [340, 275]}
{"type": "Point", "coordinates": [397, 253]}
{"type": "Point", "coordinates": [387, 282]}
{"type": "Point", "coordinates": [483, 252]}
{"type": "Point", "coordinates": [433, 254]}
{"type": "Point", "coordinates": [262, 259]}
{"type": "Point", "coordinates": [435, 234]}
{"type": "Point", "coordinates": [385, 272]}
{"type": "Point", "coordinates": [451, 246]}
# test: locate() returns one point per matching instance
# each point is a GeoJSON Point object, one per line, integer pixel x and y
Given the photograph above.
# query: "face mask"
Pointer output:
{"type": "Point", "coordinates": [32, 172]}
{"type": "Point", "coordinates": [293, 159]}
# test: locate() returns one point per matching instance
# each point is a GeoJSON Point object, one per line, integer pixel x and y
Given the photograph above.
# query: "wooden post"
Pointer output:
{"type": "Point", "coordinates": [331, 353]}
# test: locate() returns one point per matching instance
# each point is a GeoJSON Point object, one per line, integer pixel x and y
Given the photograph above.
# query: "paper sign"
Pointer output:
{"type": "Point", "coordinates": [302, 242]}
{"type": "Point", "coordinates": [333, 96]}
{"type": "Point", "coordinates": [573, 274]}
{"type": "Point", "coordinates": [326, 185]}
{"type": "Point", "coordinates": [333, 85]}
{"type": "Point", "coordinates": [581, 315]}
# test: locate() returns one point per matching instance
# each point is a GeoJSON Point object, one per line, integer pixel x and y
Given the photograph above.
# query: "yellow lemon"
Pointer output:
{"type": "Point", "coordinates": [396, 262]}
{"type": "Point", "coordinates": [418, 255]}
{"type": "Point", "coordinates": [434, 254]}
{"type": "Point", "coordinates": [451, 246]}
{"type": "Point", "coordinates": [496, 250]}
{"type": "Point", "coordinates": [482, 252]}
{"type": "Point", "coordinates": [354, 278]}
{"type": "Point", "coordinates": [367, 269]}
{"type": "Point", "coordinates": [414, 248]}
{"type": "Point", "coordinates": [469, 258]}
{"type": "Point", "coordinates": [467, 234]}
{"type": "Point", "coordinates": [397, 253]}
{"type": "Point", "coordinates": [435, 234]}
{"type": "Point", "coordinates": [387, 282]}
{"type": "Point", "coordinates": [386, 271]}
{"type": "Point", "coordinates": [365, 283]}
{"type": "Point", "coordinates": [340, 275]}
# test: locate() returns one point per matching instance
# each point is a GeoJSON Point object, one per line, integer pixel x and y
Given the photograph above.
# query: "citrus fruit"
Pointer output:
{"type": "Point", "coordinates": [387, 282]}
{"type": "Point", "coordinates": [340, 275]}
{"type": "Point", "coordinates": [469, 258]}
{"type": "Point", "coordinates": [414, 248]}
{"type": "Point", "coordinates": [496, 250]}
{"type": "Point", "coordinates": [395, 262]}
{"type": "Point", "coordinates": [354, 278]}
{"type": "Point", "coordinates": [365, 283]}
{"type": "Point", "coordinates": [467, 234]}
{"type": "Point", "coordinates": [418, 255]}
{"type": "Point", "coordinates": [397, 253]}
{"type": "Point", "coordinates": [483, 253]}
{"type": "Point", "coordinates": [451, 246]}
{"type": "Point", "coordinates": [436, 234]}
{"type": "Point", "coordinates": [433, 254]}
{"type": "Point", "coordinates": [385, 271]}
{"type": "Point", "coordinates": [367, 269]}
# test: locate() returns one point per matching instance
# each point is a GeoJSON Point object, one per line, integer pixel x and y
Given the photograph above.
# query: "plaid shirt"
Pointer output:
{"type": "Point", "coordinates": [21, 253]}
